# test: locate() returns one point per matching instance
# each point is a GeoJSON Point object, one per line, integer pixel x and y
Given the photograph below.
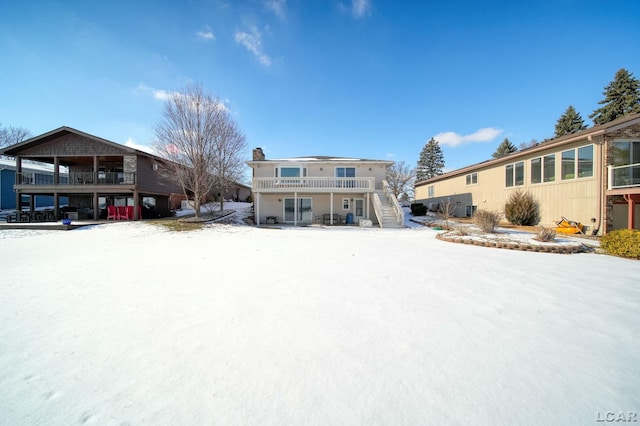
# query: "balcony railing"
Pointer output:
{"type": "Point", "coordinates": [624, 176]}
{"type": "Point", "coordinates": [314, 184]}
{"type": "Point", "coordinates": [77, 178]}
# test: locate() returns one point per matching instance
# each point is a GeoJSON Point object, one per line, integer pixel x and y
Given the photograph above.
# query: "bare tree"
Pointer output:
{"type": "Point", "coordinates": [400, 177]}
{"type": "Point", "coordinates": [446, 211]}
{"type": "Point", "coordinates": [198, 138]}
{"type": "Point", "coordinates": [228, 162]}
{"type": "Point", "coordinates": [12, 135]}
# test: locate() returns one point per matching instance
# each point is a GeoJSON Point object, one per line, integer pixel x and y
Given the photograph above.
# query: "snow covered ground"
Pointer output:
{"type": "Point", "coordinates": [130, 324]}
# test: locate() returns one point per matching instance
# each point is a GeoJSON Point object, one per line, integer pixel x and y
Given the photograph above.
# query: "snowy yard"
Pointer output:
{"type": "Point", "coordinates": [130, 324]}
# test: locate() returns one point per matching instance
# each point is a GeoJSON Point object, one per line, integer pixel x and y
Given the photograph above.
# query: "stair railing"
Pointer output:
{"type": "Point", "coordinates": [377, 208]}
{"type": "Point", "coordinates": [394, 203]}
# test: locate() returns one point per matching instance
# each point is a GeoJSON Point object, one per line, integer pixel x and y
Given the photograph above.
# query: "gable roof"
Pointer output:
{"type": "Point", "coordinates": [551, 143]}
{"type": "Point", "coordinates": [15, 150]}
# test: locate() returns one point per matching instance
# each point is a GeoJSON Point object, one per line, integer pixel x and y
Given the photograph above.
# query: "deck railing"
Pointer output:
{"type": "Point", "coordinates": [314, 184]}
{"type": "Point", "coordinates": [77, 178]}
{"type": "Point", "coordinates": [624, 176]}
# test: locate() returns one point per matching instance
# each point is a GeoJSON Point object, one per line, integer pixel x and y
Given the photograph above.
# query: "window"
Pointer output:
{"type": "Point", "coordinates": [585, 161]}
{"type": "Point", "coordinates": [472, 178]}
{"type": "Point", "coordinates": [582, 168]}
{"type": "Point", "coordinates": [626, 153]}
{"type": "Point", "coordinates": [543, 169]}
{"type": "Point", "coordinates": [286, 172]}
{"type": "Point", "coordinates": [536, 170]}
{"type": "Point", "coordinates": [514, 174]}
{"type": "Point", "coordinates": [568, 164]}
{"type": "Point", "coordinates": [345, 172]}
{"type": "Point", "coordinates": [471, 210]}
{"type": "Point", "coordinates": [345, 204]}
{"type": "Point", "coordinates": [431, 191]}
{"type": "Point", "coordinates": [549, 162]}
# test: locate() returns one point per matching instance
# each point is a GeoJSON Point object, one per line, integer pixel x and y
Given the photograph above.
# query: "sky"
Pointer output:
{"type": "Point", "coordinates": [354, 78]}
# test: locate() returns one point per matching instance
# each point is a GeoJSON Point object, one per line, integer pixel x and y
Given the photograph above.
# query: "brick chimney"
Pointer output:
{"type": "Point", "coordinates": [258, 155]}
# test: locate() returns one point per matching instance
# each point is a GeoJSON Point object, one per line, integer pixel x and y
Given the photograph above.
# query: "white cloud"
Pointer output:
{"type": "Point", "coordinates": [278, 7]}
{"type": "Point", "coordinates": [252, 41]}
{"type": "Point", "coordinates": [360, 8]}
{"type": "Point", "coordinates": [158, 94]}
{"type": "Point", "coordinates": [206, 34]}
{"type": "Point", "coordinates": [453, 139]}
{"type": "Point", "coordinates": [131, 143]}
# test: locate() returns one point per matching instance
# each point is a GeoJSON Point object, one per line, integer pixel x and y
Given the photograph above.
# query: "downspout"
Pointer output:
{"type": "Point", "coordinates": [600, 180]}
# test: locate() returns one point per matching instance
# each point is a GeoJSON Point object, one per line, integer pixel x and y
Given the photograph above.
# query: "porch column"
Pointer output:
{"type": "Point", "coordinates": [96, 207]}
{"type": "Point", "coordinates": [136, 203]}
{"type": "Point", "coordinates": [331, 209]}
{"type": "Point", "coordinates": [368, 200]}
{"type": "Point", "coordinates": [56, 205]}
{"type": "Point", "coordinates": [631, 199]}
{"type": "Point", "coordinates": [295, 209]}
{"type": "Point", "coordinates": [32, 203]}
{"type": "Point", "coordinates": [56, 171]}
{"type": "Point", "coordinates": [256, 210]}
{"type": "Point", "coordinates": [95, 169]}
{"type": "Point", "coordinates": [17, 182]}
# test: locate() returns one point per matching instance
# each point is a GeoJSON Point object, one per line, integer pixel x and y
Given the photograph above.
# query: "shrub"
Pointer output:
{"type": "Point", "coordinates": [546, 234]}
{"type": "Point", "coordinates": [522, 209]}
{"type": "Point", "coordinates": [418, 209]}
{"type": "Point", "coordinates": [486, 220]}
{"type": "Point", "coordinates": [622, 242]}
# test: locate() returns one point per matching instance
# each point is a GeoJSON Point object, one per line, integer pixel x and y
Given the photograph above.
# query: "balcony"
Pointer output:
{"type": "Point", "coordinates": [314, 184]}
{"type": "Point", "coordinates": [624, 176]}
{"type": "Point", "coordinates": [77, 178]}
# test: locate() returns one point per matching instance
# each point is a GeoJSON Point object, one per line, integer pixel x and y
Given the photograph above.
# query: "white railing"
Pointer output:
{"type": "Point", "coordinates": [314, 184]}
{"type": "Point", "coordinates": [394, 203]}
{"type": "Point", "coordinates": [624, 176]}
{"type": "Point", "coordinates": [377, 208]}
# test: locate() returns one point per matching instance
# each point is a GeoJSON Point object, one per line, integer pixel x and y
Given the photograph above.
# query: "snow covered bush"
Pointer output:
{"type": "Point", "coordinates": [546, 234]}
{"type": "Point", "coordinates": [622, 242]}
{"type": "Point", "coordinates": [486, 220]}
{"type": "Point", "coordinates": [522, 209]}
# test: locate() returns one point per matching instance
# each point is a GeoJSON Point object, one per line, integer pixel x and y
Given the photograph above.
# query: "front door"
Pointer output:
{"type": "Point", "coordinates": [359, 211]}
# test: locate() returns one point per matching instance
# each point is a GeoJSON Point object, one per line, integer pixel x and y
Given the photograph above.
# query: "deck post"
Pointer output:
{"type": "Point", "coordinates": [96, 206]}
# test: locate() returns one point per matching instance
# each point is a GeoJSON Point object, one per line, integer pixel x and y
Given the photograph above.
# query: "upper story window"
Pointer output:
{"type": "Point", "coordinates": [581, 168]}
{"type": "Point", "coordinates": [431, 191]}
{"type": "Point", "coordinates": [291, 171]}
{"type": "Point", "coordinates": [543, 169]}
{"type": "Point", "coordinates": [472, 178]}
{"type": "Point", "coordinates": [626, 153]}
{"type": "Point", "coordinates": [345, 172]}
{"type": "Point", "coordinates": [514, 174]}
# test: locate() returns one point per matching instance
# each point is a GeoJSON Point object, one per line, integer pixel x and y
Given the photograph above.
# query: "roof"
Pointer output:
{"type": "Point", "coordinates": [321, 159]}
{"type": "Point", "coordinates": [14, 150]}
{"type": "Point", "coordinates": [559, 141]}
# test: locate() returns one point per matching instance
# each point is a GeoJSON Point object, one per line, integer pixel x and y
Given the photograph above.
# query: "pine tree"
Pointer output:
{"type": "Point", "coordinates": [622, 97]}
{"type": "Point", "coordinates": [569, 122]}
{"type": "Point", "coordinates": [505, 148]}
{"type": "Point", "coordinates": [431, 162]}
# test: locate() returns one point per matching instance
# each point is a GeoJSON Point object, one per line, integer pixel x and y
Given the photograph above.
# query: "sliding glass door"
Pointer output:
{"type": "Point", "coordinates": [301, 212]}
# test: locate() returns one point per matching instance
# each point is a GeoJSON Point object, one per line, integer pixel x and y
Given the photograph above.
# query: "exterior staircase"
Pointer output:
{"type": "Point", "coordinates": [389, 218]}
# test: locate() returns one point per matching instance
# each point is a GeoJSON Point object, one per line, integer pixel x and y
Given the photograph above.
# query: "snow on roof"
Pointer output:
{"type": "Point", "coordinates": [10, 163]}
{"type": "Point", "coordinates": [321, 158]}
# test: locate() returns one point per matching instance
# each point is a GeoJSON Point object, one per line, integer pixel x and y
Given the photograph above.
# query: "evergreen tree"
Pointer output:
{"type": "Point", "coordinates": [505, 148]}
{"type": "Point", "coordinates": [622, 97]}
{"type": "Point", "coordinates": [569, 122]}
{"type": "Point", "coordinates": [431, 162]}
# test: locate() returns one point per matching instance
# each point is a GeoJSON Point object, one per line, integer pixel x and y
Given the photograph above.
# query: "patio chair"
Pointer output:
{"type": "Point", "coordinates": [122, 213]}
{"type": "Point", "coordinates": [112, 213]}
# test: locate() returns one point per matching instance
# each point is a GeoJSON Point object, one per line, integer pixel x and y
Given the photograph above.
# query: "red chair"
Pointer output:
{"type": "Point", "coordinates": [122, 213]}
{"type": "Point", "coordinates": [129, 212]}
{"type": "Point", "coordinates": [112, 213]}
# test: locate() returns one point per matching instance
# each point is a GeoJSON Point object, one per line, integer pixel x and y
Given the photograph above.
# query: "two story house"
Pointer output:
{"type": "Point", "coordinates": [90, 173]}
{"type": "Point", "coordinates": [323, 190]}
{"type": "Point", "coordinates": [591, 176]}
